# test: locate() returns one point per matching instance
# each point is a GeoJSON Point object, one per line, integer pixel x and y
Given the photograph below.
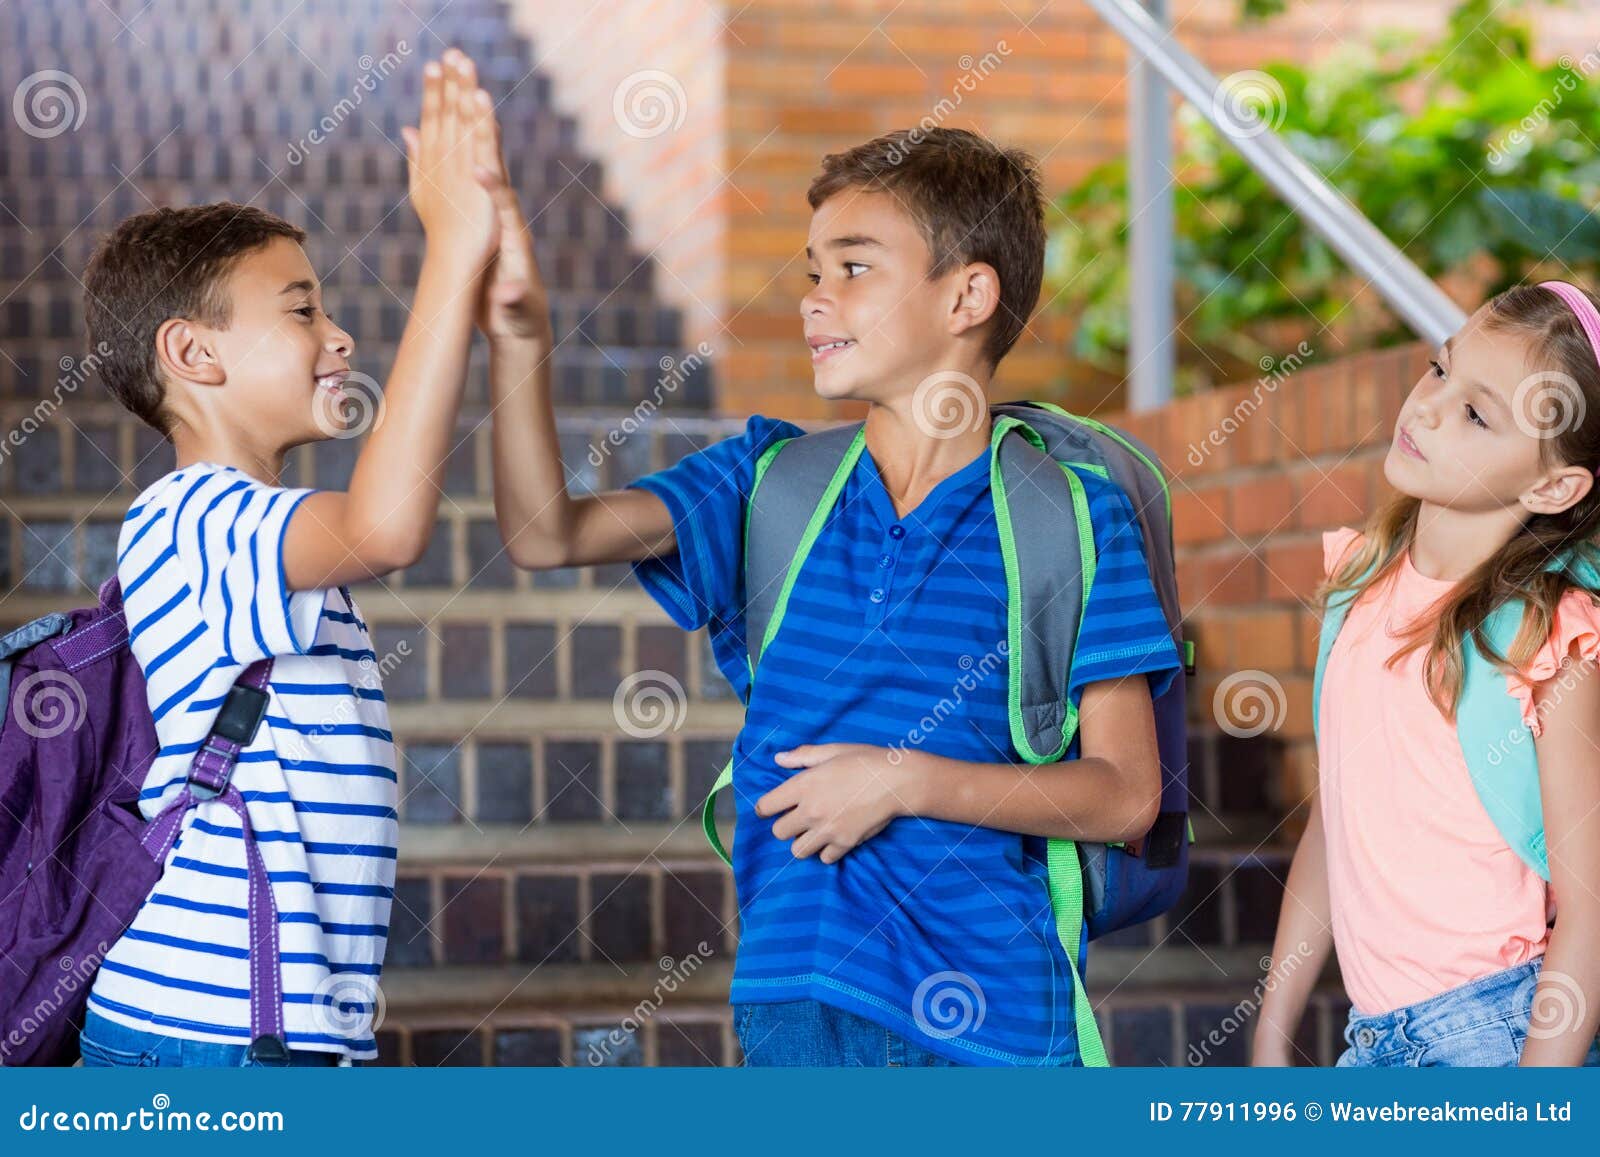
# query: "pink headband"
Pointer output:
{"type": "Point", "coordinates": [1588, 316]}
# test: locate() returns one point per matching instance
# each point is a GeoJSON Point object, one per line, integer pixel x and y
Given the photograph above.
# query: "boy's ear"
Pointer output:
{"type": "Point", "coordinates": [1560, 490]}
{"type": "Point", "coordinates": [979, 288]}
{"type": "Point", "coordinates": [184, 353]}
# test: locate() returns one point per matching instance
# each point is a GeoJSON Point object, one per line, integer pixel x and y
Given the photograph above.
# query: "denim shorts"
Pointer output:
{"type": "Point", "coordinates": [107, 1044]}
{"type": "Point", "coordinates": [1480, 1024]}
{"type": "Point", "coordinates": [810, 1033]}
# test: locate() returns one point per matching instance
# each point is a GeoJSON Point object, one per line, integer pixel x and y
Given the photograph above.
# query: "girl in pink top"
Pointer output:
{"type": "Point", "coordinates": [1447, 941]}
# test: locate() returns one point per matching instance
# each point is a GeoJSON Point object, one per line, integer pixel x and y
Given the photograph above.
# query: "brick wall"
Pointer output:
{"type": "Point", "coordinates": [800, 80]}
{"type": "Point", "coordinates": [1260, 470]}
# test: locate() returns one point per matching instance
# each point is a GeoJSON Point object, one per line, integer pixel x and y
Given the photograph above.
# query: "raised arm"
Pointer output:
{"type": "Point", "coordinates": [384, 520]}
{"type": "Point", "coordinates": [542, 525]}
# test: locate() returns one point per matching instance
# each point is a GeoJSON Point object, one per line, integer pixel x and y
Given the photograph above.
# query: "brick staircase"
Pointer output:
{"type": "Point", "coordinates": [555, 904]}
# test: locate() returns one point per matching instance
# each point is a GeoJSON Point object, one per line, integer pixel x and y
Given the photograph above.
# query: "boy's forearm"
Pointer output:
{"type": "Point", "coordinates": [541, 524]}
{"type": "Point", "coordinates": [1091, 798]}
{"type": "Point", "coordinates": [531, 503]}
{"type": "Point", "coordinates": [394, 489]}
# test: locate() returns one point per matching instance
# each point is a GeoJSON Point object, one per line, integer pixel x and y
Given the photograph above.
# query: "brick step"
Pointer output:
{"type": "Point", "coordinates": [603, 382]}
{"type": "Point", "coordinates": [1115, 976]}
{"type": "Point", "coordinates": [306, 146]}
{"type": "Point", "coordinates": [358, 284]}
{"type": "Point", "coordinates": [678, 840]}
{"type": "Point", "coordinates": [631, 336]}
{"type": "Point", "coordinates": [556, 892]}
{"type": "Point", "coordinates": [223, 35]}
{"type": "Point", "coordinates": [595, 259]}
{"type": "Point", "coordinates": [674, 1011]}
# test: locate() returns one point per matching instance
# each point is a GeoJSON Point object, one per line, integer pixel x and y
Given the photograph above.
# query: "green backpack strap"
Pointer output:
{"type": "Point", "coordinates": [708, 813]}
{"type": "Point", "coordinates": [1066, 900]}
{"type": "Point", "coordinates": [1047, 590]}
{"type": "Point", "coordinates": [781, 524]}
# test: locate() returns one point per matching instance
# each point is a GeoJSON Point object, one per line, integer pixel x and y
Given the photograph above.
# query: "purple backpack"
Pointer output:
{"type": "Point", "coordinates": [77, 858]}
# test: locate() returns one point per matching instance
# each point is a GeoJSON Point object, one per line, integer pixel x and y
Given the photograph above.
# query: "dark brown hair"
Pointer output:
{"type": "Point", "coordinates": [972, 201]}
{"type": "Point", "coordinates": [163, 264]}
{"type": "Point", "coordinates": [1567, 410]}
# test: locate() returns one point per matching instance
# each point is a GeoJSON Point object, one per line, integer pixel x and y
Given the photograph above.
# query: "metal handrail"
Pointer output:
{"type": "Point", "coordinates": [1421, 304]}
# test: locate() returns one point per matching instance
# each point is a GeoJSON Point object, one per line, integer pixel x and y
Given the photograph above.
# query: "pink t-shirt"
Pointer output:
{"type": "Point", "coordinates": [1426, 894]}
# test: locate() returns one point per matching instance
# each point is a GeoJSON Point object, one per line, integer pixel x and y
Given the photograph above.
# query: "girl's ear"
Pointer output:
{"type": "Point", "coordinates": [1560, 490]}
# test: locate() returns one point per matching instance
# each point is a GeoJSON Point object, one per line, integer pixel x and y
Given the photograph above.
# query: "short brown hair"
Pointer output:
{"type": "Point", "coordinates": [163, 264]}
{"type": "Point", "coordinates": [972, 200]}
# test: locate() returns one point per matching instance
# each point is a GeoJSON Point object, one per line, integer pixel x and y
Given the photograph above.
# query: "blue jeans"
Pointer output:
{"type": "Point", "coordinates": [810, 1033]}
{"type": "Point", "coordinates": [1481, 1024]}
{"type": "Point", "coordinates": [107, 1044]}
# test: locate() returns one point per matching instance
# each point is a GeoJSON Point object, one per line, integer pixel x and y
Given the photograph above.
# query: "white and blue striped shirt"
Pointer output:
{"type": "Point", "coordinates": [200, 560]}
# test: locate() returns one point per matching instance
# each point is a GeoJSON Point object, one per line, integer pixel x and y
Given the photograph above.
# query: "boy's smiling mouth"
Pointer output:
{"type": "Point", "coordinates": [824, 346]}
{"type": "Point", "coordinates": [333, 383]}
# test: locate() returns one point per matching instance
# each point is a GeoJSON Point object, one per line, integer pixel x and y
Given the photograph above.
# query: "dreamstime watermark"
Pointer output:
{"type": "Point", "coordinates": [1251, 101]}
{"type": "Point", "coordinates": [48, 103]}
{"type": "Point", "coordinates": [1574, 74]}
{"type": "Point", "coordinates": [49, 703]}
{"type": "Point", "coordinates": [1547, 404]}
{"type": "Point", "coordinates": [674, 372]}
{"type": "Point", "coordinates": [348, 1005]}
{"type": "Point", "coordinates": [160, 1117]}
{"type": "Point", "coordinates": [1552, 692]}
{"type": "Point", "coordinates": [372, 72]}
{"type": "Point", "coordinates": [74, 372]}
{"type": "Point", "coordinates": [1276, 974]}
{"type": "Point", "coordinates": [1275, 371]}
{"type": "Point", "coordinates": [76, 975]}
{"type": "Point", "coordinates": [349, 411]}
{"type": "Point", "coordinates": [648, 103]}
{"type": "Point", "coordinates": [674, 973]}
{"type": "Point", "coordinates": [1249, 703]}
{"type": "Point", "coordinates": [648, 704]}
{"type": "Point", "coordinates": [1559, 1005]}
{"type": "Point", "coordinates": [973, 673]}
{"type": "Point", "coordinates": [973, 73]}
{"type": "Point", "coordinates": [948, 1004]}
{"type": "Point", "coordinates": [948, 403]}
{"type": "Point", "coordinates": [372, 672]}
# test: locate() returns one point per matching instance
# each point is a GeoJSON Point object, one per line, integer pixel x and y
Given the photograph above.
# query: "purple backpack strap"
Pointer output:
{"type": "Point", "coordinates": [210, 777]}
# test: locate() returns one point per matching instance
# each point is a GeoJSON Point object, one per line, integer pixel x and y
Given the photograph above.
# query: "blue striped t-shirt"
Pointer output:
{"type": "Point", "coordinates": [895, 634]}
{"type": "Point", "coordinates": [200, 559]}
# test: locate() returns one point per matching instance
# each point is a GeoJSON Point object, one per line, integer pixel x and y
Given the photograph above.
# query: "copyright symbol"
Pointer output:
{"type": "Point", "coordinates": [1313, 1111]}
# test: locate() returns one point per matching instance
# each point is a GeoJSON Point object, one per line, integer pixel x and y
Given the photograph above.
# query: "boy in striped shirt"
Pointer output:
{"type": "Point", "coordinates": [889, 856]}
{"type": "Point", "coordinates": [220, 340]}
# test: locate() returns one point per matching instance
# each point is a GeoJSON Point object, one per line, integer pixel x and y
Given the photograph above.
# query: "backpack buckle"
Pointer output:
{"type": "Point", "coordinates": [268, 1049]}
{"type": "Point", "coordinates": [242, 711]}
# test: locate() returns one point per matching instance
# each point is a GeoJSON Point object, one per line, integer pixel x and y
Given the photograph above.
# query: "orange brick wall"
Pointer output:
{"type": "Point", "coordinates": [1292, 457]}
{"type": "Point", "coordinates": [663, 150]}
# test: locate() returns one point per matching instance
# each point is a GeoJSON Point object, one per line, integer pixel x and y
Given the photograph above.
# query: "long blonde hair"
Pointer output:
{"type": "Point", "coordinates": [1519, 570]}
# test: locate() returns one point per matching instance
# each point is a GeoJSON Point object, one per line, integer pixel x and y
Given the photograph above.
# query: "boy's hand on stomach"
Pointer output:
{"type": "Point", "coordinates": [452, 159]}
{"type": "Point", "coordinates": [845, 794]}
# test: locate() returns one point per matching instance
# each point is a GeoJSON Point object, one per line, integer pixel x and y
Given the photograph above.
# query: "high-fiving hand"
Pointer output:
{"type": "Point", "coordinates": [453, 156]}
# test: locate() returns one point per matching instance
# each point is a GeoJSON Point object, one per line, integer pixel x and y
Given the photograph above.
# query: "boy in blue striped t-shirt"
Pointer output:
{"type": "Point", "coordinates": [889, 860]}
{"type": "Point", "coordinates": [218, 338]}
